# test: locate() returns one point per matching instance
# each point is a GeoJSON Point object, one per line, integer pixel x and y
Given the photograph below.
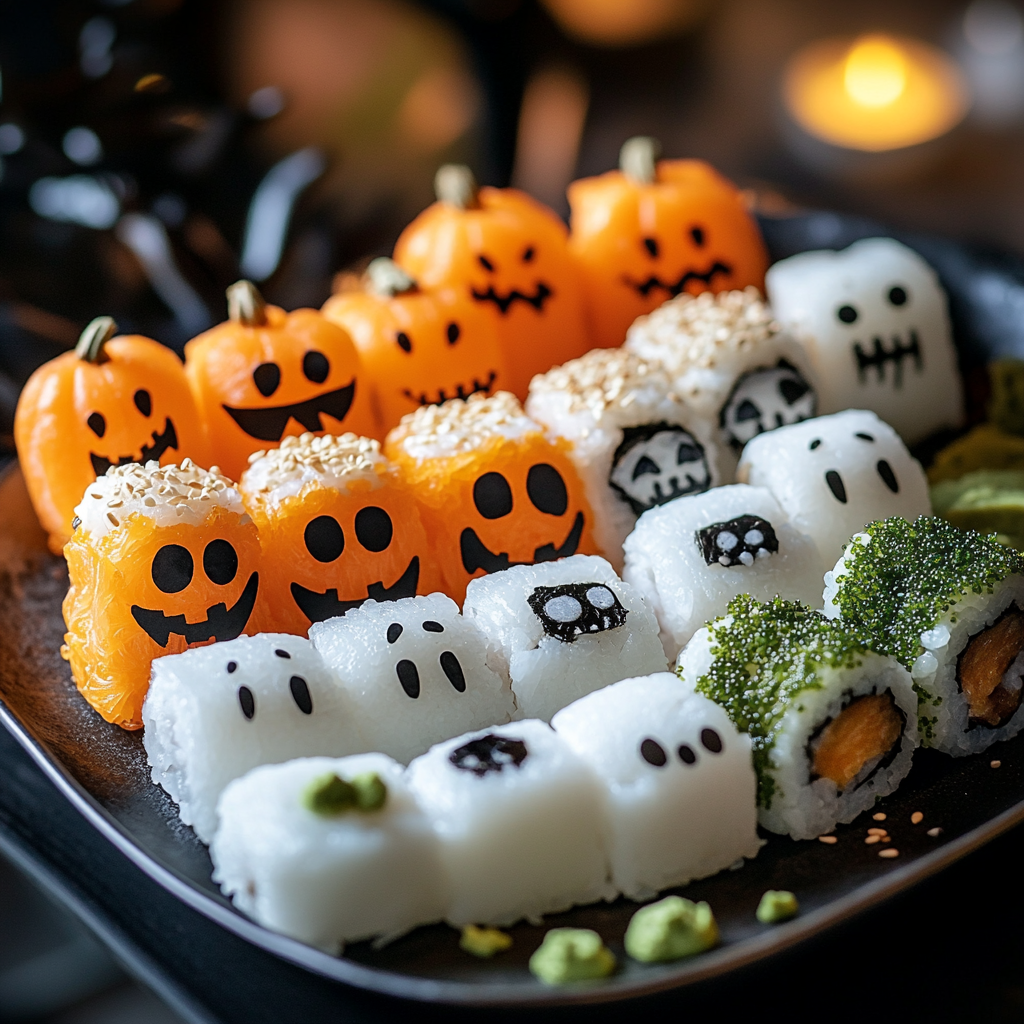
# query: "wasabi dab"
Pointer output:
{"type": "Point", "coordinates": [777, 905]}
{"type": "Point", "coordinates": [671, 929]}
{"type": "Point", "coordinates": [484, 942]}
{"type": "Point", "coordinates": [330, 795]}
{"type": "Point", "coordinates": [571, 954]}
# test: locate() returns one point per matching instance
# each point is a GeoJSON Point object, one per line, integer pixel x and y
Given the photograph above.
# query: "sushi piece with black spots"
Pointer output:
{"type": "Point", "coordinates": [737, 541]}
{"type": "Point", "coordinates": [571, 610]}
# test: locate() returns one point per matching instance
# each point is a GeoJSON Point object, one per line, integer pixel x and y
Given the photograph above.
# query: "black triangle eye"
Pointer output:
{"type": "Point", "coordinates": [528, 254]}
{"type": "Point", "coordinates": [97, 423]}
{"type": "Point", "coordinates": [546, 488]}
{"type": "Point", "coordinates": [316, 366]}
{"type": "Point", "coordinates": [651, 245]}
{"type": "Point", "coordinates": [404, 341]}
{"type": "Point", "coordinates": [453, 331]}
{"type": "Point", "coordinates": [267, 378]}
{"type": "Point", "coordinates": [143, 401]}
{"type": "Point", "coordinates": [697, 234]}
{"type": "Point", "coordinates": [644, 466]}
{"type": "Point", "coordinates": [485, 262]}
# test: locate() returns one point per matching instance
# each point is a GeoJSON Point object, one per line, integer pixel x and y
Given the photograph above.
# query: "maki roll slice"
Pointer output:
{"type": "Point", "coordinates": [832, 724]}
{"type": "Point", "coordinates": [949, 605]}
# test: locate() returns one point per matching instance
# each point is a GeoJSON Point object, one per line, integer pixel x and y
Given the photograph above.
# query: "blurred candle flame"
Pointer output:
{"type": "Point", "coordinates": [875, 73]}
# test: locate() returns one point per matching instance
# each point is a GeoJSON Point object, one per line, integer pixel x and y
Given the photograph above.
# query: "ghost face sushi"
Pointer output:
{"type": "Point", "coordinates": [832, 724]}
{"type": "Point", "coordinates": [835, 474]}
{"type": "Point", "coordinates": [336, 527]}
{"type": "Point", "coordinates": [328, 851]}
{"type": "Point", "coordinates": [874, 321]}
{"type": "Point", "coordinates": [214, 712]}
{"type": "Point", "coordinates": [415, 671]}
{"type": "Point", "coordinates": [564, 628]}
{"type": "Point", "coordinates": [517, 815]}
{"type": "Point", "coordinates": [949, 605]}
{"type": "Point", "coordinates": [162, 559]}
{"type": "Point", "coordinates": [678, 790]}
{"type": "Point", "coordinates": [689, 558]}
{"type": "Point", "coordinates": [634, 443]}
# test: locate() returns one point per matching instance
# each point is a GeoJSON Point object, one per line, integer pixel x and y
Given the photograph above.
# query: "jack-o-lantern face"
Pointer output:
{"type": "Point", "coordinates": [508, 255]}
{"type": "Point", "coordinates": [418, 348]}
{"type": "Point", "coordinates": [266, 374]}
{"type": "Point", "coordinates": [650, 231]}
{"type": "Point", "coordinates": [110, 402]}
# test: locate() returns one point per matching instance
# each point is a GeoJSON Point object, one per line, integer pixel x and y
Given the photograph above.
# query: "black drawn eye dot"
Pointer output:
{"type": "Point", "coordinates": [653, 753]}
{"type": "Point", "coordinates": [528, 254]}
{"type": "Point", "coordinates": [172, 568]}
{"type": "Point", "coordinates": [324, 538]}
{"type": "Point", "coordinates": [232, 667]}
{"type": "Point", "coordinates": [898, 295]}
{"type": "Point", "coordinates": [280, 653]}
{"type": "Point", "coordinates": [888, 476]}
{"type": "Point", "coordinates": [267, 378]}
{"type": "Point", "coordinates": [247, 702]}
{"type": "Point", "coordinates": [409, 677]}
{"type": "Point", "coordinates": [453, 331]}
{"type": "Point", "coordinates": [394, 632]}
{"type": "Point", "coordinates": [492, 496]}
{"type": "Point", "coordinates": [697, 234]}
{"type": "Point", "coordinates": [374, 528]}
{"type": "Point", "coordinates": [836, 486]}
{"type": "Point", "coordinates": [300, 694]}
{"type": "Point", "coordinates": [453, 670]}
{"type": "Point", "coordinates": [404, 341]}
{"type": "Point", "coordinates": [220, 562]}
{"type": "Point", "coordinates": [686, 754]}
{"type": "Point", "coordinates": [651, 245]}
{"type": "Point", "coordinates": [143, 401]}
{"type": "Point", "coordinates": [433, 627]}
{"type": "Point", "coordinates": [546, 488]}
{"type": "Point", "coordinates": [710, 740]}
{"type": "Point", "coordinates": [97, 423]}
{"type": "Point", "coordinates": [816, 443]}
{"type": "Point", "coordinates": [485, 262]}
{"type": "Point", "coordinates": [316, 366]}
{"type": "Point", "coordinates": [847, 314]}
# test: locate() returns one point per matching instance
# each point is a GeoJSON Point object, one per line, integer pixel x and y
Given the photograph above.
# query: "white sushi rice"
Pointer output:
{"type": "Point", "coordinates": [579, 597]}
{"type": "Point", "coordinates": [678, 789]}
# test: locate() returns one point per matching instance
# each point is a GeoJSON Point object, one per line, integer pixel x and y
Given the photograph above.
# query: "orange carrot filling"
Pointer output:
{"type": "Point", "coordinates": [863, 731]}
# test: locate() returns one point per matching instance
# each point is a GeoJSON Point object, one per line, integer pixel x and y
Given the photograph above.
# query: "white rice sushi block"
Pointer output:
{"type": "Point", "coordinates": [327, 879]}
{"type": "Point", "coordinates": [679, 791]}
{"type": "Point", "coordinates": [565, 628]}
{"type": "Point", "coordinates": [874, 321]}
{"type": "Point", "coordinates": [833, 725]}
{"type": "Point", "coordinates": [633, 440]}
{"type": "Point", "coordinates": [518, 816]}
{"type": "Point", "coordinates": [689, 558]}
{"type": "Point", "coordinates": [949, 605]}
{"type": "Point", "coordinates": [212, 713]}
{"type": "Point", "coordinates": [835, 474]}
{"type": "Point", "coordinates": [416, 672]}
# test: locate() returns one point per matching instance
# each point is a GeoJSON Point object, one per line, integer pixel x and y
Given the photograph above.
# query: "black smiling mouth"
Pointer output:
{"type": "Point", "coordinates": [161, 442]}
{"type": "Point", "coordinates": [505, 302]}
{"type": "Point", "coordinates": [318, 607]}
{"type": "Point", "coordinates": [460, 391]}
{"type": "Point", "coordinates": [268, 423]}
{"type": "Point", "coordinates": [221, 622]}
{"type": "Point", "coordinates": [476, 555]}
{"type": "Point", "coordinates": [677, 287]}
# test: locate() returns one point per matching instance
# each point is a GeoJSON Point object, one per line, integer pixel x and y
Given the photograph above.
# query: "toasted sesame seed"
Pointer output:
{"type": "Point", "coordinates": [113, 519]}
{"type": "Point", "coordinates": [886, 839]}
{"type": "Point", "coordinates": [995, 764]}
{"type": "Point", "coordinates": [933, 832]}
{"type": "Point", "coordinates": [828, 839]}
{"type": "Point", "coordinates": [879, 816]}
{"type": "Point", "coordinates": [876, 832]}
{"type": "Point", "coordinates": [916, 818]}
{"type": "Point", "coordinates": [889, 853]}
{"type": "Point", "coordinates": [872, 840]}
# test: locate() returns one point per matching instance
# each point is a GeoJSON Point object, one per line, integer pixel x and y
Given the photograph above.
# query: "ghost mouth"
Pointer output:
{"type": "Point", "coordinates": [161, 442]}
{"type": "Point", "coordinates": [221, 622]}
{"type": "Point", "coordinates": [506, 301]}
{"type": "Point", "coordinates": [677, 287]}
{"type": "Point", "coordinates": [318, 607]}
{"type": "Point", "coordinates": [476, 554]}
{"type": "Point", "coordinates": [879, 357]}
{"type": "Point", "coordinates": [459, 391]}
{"type": "Point", "coordinates": [268, 423]}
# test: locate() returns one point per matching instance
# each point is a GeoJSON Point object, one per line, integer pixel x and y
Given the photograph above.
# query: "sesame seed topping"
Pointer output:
{"type": "Point", "coordinates": [916, 818]}
{"type": "Point", "coordinates": [879, 816]}
{"type": "Point", "coordinates": [889, 853]}
{"type": "Point", "coordinates": [831, 840]}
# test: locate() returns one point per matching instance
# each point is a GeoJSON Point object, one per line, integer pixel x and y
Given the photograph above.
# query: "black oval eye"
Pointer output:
{"type": "Point", "coordinates": [492, 496]}
{"type": "Point", "coordinates": [404, 341]}
{"type": "Point", "coordinates": [374, 529]}
{"type": "Point", "coordinates": [686, 754]}
{"type": "Point", "coordinates": [836, 486]}
{"type": "Point", "coordinates": [651, 245]}
{"type": "Point", "coordinates": [267, 378]}
{"type": "Point", "coordinates": [847, 314]}
{"type": "Point", "coordinates": [528, 254]}
{"type": "Point", "coordinates": [409, 677]}
{"type": "Point", "coordinates": [453, 670]}
{"type": "Point", "coordinates": [697, 234]}
{"type": "Point", "coordinates": [324, 538]}
{"type": "Point", "coordinates": [453, 333]}
{"type": "Point", "coordinates": [97, 424]}
{"type": "Point", "coordinates": [653, 753]}
{"type": "Point", "coordinates": [485, 262]}
{"type": "Point", "coordinates": [394, 632]}
{"type": "Point", "coordinates": [143, 401]}
{"type": "Point", "coordinates": [232, 667]}
{"type": "Point", "coordinates": [546, 488]}
{"type": "Point", "coordinates": [247, 702]}
{"type": "Point", "coordinates": [172, 568]}
{"type": "Point", "coordinates": [711, 740]}
{"type": "Point", "coordinates": [888, 476]}
{"type": "Point", "coordinates": [300, 694]}
{"type": "Point", "coordinates": [220, 562]}
{"type": "Point", "coordinates": [316, 366]}
{"type": "Point", "coordinates": [897, 295]}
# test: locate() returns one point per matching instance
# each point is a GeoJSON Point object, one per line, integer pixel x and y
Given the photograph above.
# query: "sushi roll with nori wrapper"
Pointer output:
{"type": "Point", "coordinates": [213, 713]}
{"type": "Point", "coordinates": [633, 440]}
{"type": "Point", "coordinates": [519, 821]}
{"type": "Point", "coordinates": [328, 850]}
{"type": "Point", "coordinates": [833, 725]}
{"type": "Point", "coordinates": [416, 672]}
{"type": "Point", "coordinates": [949, 605]}
{"type": "Point", "coordinates": [689, 558]}
{"type": "Point", "coordinates": [565, 629]}
{"type": "Point", "coordinates": [679, 792]}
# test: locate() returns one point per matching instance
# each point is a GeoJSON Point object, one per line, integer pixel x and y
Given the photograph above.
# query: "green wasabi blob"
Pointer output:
{"type": "Point", "coordinates": [571, 954]}
{"type": "Point", "coordinates": [1006, 406]}
{"type": "Point", "coordinates": [484, 942]}
{"type": "Point", "coordinates": [671, 929]}
{"type": "Point", "coordinates": [777, 905]}
{"type": "Point", "coordinates": [371, 793]}
{"type": "Point", "coordinates": [330, 795]}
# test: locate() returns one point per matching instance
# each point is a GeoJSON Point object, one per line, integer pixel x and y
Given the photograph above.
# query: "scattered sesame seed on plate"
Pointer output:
{"type": "Point", "coordinates": [889, 853]}
{"type": "Point", "coordinates": [880, 816]}
{"type": "Point", "coordinates": [828, 839]}
{"type": "Point", "coordinates": [872, 839]}
{"type": "Point", "coordinates": [933, 832]}
{"type": "Point", "coordinates": [995, 764]}
{"type": "Point", "coordinates": [877, 832]}
{"type": "Point", "coordinates": [916, 818]}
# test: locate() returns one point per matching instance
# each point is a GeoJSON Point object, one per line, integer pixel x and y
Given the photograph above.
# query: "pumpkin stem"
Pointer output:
{"type": "Point", "coordinates": [245, 305]}
{"type": "Point", "coordinates": [91, 342]}
{"type": "Point", "coordinates": [385, 277]}
{"type": "Point", "coordinates": [455, 184]}
{"type": "Point", "coordinates": [638, 159]}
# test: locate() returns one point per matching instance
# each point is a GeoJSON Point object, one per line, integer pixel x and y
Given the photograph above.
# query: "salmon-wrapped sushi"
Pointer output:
{"type": "Point", "coordinates": [162, 558]}
{"type": "Point", "coordinates": [495, 488]}
{"type": "Point", "coordinates": [337, 526]}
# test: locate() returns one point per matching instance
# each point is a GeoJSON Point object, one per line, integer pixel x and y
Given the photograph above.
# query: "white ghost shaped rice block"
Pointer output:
{"type": "Point", "coordinates": [565, 628]}
{"type": "Point", "coordinates": [519, 822]}
{"type": "Point", "coordinates": [326, 879]}
{"type": "Point", "coordinates": [679, 791]}
{"type": "Point", "coordinates": [416, 672]}
{"type": "Point", "coordinates": [835, 474]}
{"type": "Point", "coordinates": [691, 557]}
{"type": "Point", "coordinates": [874, 320]}
{"type": "Point", "coordinates": [212, 713]}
